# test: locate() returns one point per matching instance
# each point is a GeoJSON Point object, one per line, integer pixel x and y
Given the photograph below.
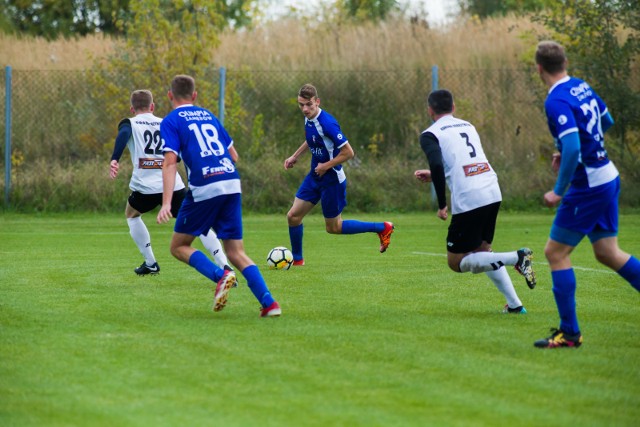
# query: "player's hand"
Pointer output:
{"type": "Point", "coordinates": [288, 164]}
{"type": "Point", "coordinates": [442, 214]}
{"type": "Point", "coordinates": [113, 169]}
{"type": "Point", "coordinates": [321, 169]}
{"type": "Point", "coordinates": [555, 162]}
{"type": "Point", "coordinates": [551, 199]}
{"type": "Point", "coordinates": [165, 214]}
{"type": "Point", "coordinates": [423, 175]}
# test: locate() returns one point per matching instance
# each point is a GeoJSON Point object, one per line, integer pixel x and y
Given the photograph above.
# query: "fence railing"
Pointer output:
{"type": "Point", "coordinates": [66, 118]}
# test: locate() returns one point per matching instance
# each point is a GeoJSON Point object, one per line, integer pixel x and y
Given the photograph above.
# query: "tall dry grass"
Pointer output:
{"type": "Point", "coordinates": [36, 53]}
{"type": "Point", "coordinates": [290, 44]}
{"type": "Point", "coordinates": [397, 44]}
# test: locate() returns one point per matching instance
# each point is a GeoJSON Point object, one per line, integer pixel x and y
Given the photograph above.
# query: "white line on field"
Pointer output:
{"type": "Point", "coordinates": [575, 267]}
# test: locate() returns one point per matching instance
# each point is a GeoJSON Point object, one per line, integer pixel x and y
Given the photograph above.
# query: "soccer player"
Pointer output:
{"type": "Point", "coordinates": [141, 134]}
{"type": "Point", "coordinates": [577, 119]}
{"type": "Point", "coordinates": [326, 182]}
{"type": "Point", "coordinates": [455, 155]}
{"type": "Point", "coordinates": [196, 136]}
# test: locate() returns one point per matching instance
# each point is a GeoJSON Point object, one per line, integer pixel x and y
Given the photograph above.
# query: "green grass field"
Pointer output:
{"type": "Point", "coordinates": [364, 340]}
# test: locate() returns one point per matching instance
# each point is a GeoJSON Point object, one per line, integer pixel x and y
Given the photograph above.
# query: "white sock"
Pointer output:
{"type": "Point", "coordinates": [212, 244]}
{"type": "Point", "coordinates": [141, 237]}
{"type": "Point", "coordinates": [501, 279]}
{"type": "Point", "coordinates": [479, 262]}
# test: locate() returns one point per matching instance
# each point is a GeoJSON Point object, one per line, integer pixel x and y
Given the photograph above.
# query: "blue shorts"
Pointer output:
{"type": "Point", "coordinates": [587, 211]}
{"type": "Point", "coordinates": [333, 195]}
{"type": "Point", "coordinates": [222, 213]}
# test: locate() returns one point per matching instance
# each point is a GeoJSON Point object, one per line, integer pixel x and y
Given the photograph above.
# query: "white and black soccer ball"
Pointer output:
{"type": "Point", "coordinates": [279, 258]}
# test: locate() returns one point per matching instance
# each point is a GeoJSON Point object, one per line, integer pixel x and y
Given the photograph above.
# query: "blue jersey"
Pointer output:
{"type": "Point", "coordinates": [198, 138]}
{"type": "Point", "coordinates": [573, 106]}
{"type": "Point", "coordinates": [325, 138]}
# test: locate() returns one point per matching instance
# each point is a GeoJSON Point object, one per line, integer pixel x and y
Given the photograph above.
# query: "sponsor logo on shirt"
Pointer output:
{"type": "Point", "coordinates": [581, 91]}
{"type": "Point", "coordinates": [150, 163]}
{"type": "Point", "coordinates": [226, 166]}
{"type": "Point", "coordinates": [476, 169]}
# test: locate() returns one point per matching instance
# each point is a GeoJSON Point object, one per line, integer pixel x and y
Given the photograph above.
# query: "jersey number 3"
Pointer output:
{"type": "Point", "coordinates": [472, 153]}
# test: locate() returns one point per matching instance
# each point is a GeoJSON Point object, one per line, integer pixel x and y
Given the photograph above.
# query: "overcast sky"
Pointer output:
{"type": "Point", "coordinates": [437, 10]}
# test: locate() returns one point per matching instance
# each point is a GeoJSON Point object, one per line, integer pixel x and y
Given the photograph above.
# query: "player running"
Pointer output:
{"type": "Point", "coordinates": [456, 156]}
{"type": "Point", "coordinates": [326, 181]}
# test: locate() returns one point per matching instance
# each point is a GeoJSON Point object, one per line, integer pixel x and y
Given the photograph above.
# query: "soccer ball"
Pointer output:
{"type": "Point", "coordinates": [279, 258]}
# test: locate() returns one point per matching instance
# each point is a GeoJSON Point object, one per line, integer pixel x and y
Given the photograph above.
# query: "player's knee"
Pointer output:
{"type": "Point", "coordinates": [293, 219]}
{"type": "Point", "coordinates": [334, 228]}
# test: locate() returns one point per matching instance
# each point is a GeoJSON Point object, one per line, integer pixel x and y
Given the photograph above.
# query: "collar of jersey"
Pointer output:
{"type": "Point", "coordinates": [559, 82]}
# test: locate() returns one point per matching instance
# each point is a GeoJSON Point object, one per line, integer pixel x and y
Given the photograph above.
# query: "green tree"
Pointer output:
{"type": "Point", "coordinates": [487, 8]}
{"type": "Point", "coordinates": [602, 39]}
{"type": "Point", "coordinates": [162, 39]}
{"type": "Point", "coordinates": [367, 10]}
{"type": "Point", "coordinates": [67, 18]}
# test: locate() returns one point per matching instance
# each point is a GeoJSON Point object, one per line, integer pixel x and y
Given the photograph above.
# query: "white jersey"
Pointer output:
{"type": "Point", "coordinates": [146, 148]}
{"type": "Point", "coordinates": [470, 178]}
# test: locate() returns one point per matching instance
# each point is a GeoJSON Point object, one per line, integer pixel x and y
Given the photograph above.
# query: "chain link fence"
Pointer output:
{"type": "Point", "coordinates": [64, 125]}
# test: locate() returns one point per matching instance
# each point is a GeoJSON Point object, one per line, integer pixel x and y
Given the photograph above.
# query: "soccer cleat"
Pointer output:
{"type": "Point", "coordinates": [517, 310]}
{"type": "Point", "coordinates": [227, 268]}
{"type": "Point", "coordinates": [272, 311]}
{"type": "Point", "coordinates": [385, 236]}
{"type": "Point", "coordinates": [145, 269]}
{"type": "Point", "coordinates": [559, 338]}
{"type": "Point", "coordinates": [524, 266]}
{"type": "Point", "coordinates": [298, 262]}
{"type": "Point", "coordinates": [222, 289]}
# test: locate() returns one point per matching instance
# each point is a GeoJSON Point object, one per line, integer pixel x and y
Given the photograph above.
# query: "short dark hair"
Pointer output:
{"type": "Point", "coordinates": [551, 57]}
{"type": "Point", "coordinates": [141, 99]}
{"type": "Point", "coordinates": [183, 86]}
{"type": "Point", "coordinates": [441, 101]}
{"type": "Point", "coordinates": [308, 91]}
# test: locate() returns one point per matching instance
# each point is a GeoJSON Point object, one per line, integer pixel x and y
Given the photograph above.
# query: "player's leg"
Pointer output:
{"type": "Point", "coordinates": [298, 211]}
{"type": "Point", "coordinates": [334, 199]}
{"type": "Point", "coordinates": [139, 232]}
{"type": "Point", "coordinates": [609, 253]}
{"type": "Point", "coordinates": [604, 241]}
{"type": "Point", "coordinates": [200, 217]}
{"type": "Point", "coordinates": [468, 231]}
{"type": "Point", "coordinates": [212, 244]}
{"type": "Point", "coordinates": [229, 226]}
{"type": "Point", "coordinates": [255, 280]}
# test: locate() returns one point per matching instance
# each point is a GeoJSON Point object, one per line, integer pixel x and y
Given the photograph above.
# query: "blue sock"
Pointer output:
{"type": "Point", "coordinates": [631, 272]}
{"type": "Point", "coordinates": [256, 283]}
{"type": "Point", "coordinates": [295, 236]}
{"type": "Point", "coordinates": [205, 266]}
{"type": "Point", "coordinates": [564, 291]}
{"type": "Point", "coordinates": [352, 226]}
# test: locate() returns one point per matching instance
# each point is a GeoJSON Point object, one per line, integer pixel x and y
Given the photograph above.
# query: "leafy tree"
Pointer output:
{"type": "Point", "coordinates": [602, 39]}
{"type": "Point", "coordinates": [162, 39]}
{"type": "Point", "coordinates": [67, 18]}
{"type": "Point", "coordinates": [487, 8]}
{"type": "Point", "coordinates": [367, 10]}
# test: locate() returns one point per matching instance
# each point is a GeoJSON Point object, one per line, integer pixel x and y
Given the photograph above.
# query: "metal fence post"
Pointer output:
{"type": "Point", "coordinates": [7, 135]}
{"type": "Point", "coordinates": [434, 86]}
{"type": "Point", "coordinates": [222, 82]}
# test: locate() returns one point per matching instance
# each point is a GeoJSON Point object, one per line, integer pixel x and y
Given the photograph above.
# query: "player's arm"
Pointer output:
{"type": "Point", "coordinates": [606, 121]}
{"type": "Point", "coordinates": [169, 170]}
{"type": "Point", "coordinates": [346, 153]}
{"type": "Point", "coordinates": [233, 153]}
{"type": "Point", "coordinates": [288, 163]}
{"type": "Point", "coordinates": [569, 162]}
{"type": "Point", "coordinates": [431, 147]}
{"type": "Point", "coordinates": [124, 133]}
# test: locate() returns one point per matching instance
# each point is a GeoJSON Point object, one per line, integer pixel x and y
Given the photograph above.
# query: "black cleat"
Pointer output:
{"type": "Point", "coordinates": [559, 338]}
{"type": "Point", "coordinates": [145, 269]}
{"type": "Point", "coordinates": [524, 266]}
